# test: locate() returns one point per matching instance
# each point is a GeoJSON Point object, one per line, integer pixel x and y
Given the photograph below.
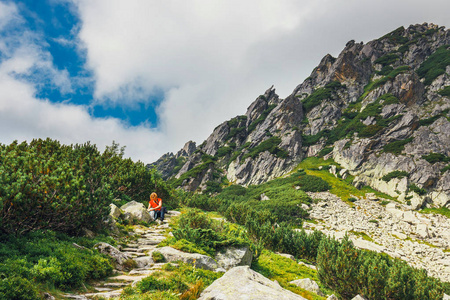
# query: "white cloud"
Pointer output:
{"type": "Point", "coordinates": [212, 58]}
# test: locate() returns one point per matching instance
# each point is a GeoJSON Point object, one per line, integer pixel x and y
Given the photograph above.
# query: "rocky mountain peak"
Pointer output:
{"type": "Point", "coordinates": [376, 108]}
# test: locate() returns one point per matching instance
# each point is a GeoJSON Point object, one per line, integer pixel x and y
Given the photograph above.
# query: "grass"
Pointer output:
{"type": "Point", "coordinates": [284, 270]}
{"type": "Point", "coordinates": [341, 188]}
{"type": "Point", "coordinates": [183, 281]}
{"type": "Point", "coordinates": [362, 235]}
{"type": "Point", "coordinates": [442, 211]}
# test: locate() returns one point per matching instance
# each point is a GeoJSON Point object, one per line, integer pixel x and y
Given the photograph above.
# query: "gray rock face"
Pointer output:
{"type": "Point", "coordinates": [244, 283]}
{"type": "Point", "coordinates": [115, 211]}
{"type": "Point", "coordinates": [374, 89]}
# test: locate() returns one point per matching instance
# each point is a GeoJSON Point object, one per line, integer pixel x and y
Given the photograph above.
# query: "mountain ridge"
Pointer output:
{"type": "Point", "coordinates": [376, 109]}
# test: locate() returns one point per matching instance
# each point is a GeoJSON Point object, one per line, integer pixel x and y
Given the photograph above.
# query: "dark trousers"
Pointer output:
{"type": "Point", "coordinates": [159, 214]}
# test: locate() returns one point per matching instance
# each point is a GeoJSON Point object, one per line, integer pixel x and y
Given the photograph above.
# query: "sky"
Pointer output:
{"type": "Point", "coordinates": [151, 75]}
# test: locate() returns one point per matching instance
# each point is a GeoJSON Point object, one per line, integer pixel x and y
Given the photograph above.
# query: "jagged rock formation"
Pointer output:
{"type": "Point", "coordinates": [381, 110]}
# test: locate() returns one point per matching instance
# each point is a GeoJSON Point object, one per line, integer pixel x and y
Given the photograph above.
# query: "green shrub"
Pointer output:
{"type": "Point", "coordinates": [222, 151]}
{"type": "Point", "coordinates": [394, 174]}
{"type": "Point", "coordinates": [433, 158]}
{"type": "Point", "coordinates": [320, 94]}
{"type": "Point", "coordinates": [270, 145]}
{"type": "Point", "coordinates": [389, 99]}
{"type": "Point", "coordinates": [417, 190]}
{"type": "Point", "coordinates": [387, 59]}
{"type": "Point", "coordinates": [310, 183]}
{"type": "Point", "coordinates": [18, 288]}
{"type": "Point", "coordinates": [397, 147]}
{"type": "Point", "coordinates": [261, 118]}
{"type": "Point", "coordinates": [435, 64]}
{"type": "Point", "coordinates": [445, 91]}
{"type": "Point", "coordinates": [445, 169]}
{"type": "Point", "coordinates": [325, 151]}
{"type": "Point", "coordinates": [157, 257]}
{"type": "Point", "coordinates": [396, 36]}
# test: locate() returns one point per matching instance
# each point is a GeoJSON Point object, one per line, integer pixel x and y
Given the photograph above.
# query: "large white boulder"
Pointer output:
{"type": "Point", "coordinates": [199, 260]}
{"type": "Point", "coordinates": [243, 283]}
{"type": "Point", "coordinates": [309, 285]}
{"type": "Point", "coordinates": [233, 257]}
{"type": "Point", "coordinates": [136, 210]}
{"type": "Point", "coordinates": [115, 211]}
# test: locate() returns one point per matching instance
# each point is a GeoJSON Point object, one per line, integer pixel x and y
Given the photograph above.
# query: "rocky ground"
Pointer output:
{"type": "Point", "coordinates": [140, 251]}
{"type": "Point", "coordinates": [422, 240]}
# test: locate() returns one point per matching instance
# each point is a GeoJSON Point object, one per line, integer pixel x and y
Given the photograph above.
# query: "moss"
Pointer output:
{"type": "Point", "coordinates": [442, 211]}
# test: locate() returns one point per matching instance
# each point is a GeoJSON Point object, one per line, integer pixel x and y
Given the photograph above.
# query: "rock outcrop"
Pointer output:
{"type": "Point", "coordinates": [378, 108]}
{"type": "Point", "coordinates": [244, 283]}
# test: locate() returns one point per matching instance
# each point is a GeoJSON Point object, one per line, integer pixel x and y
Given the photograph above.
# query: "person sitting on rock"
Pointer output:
{"type": "Point", "coordinates": [155, 207]}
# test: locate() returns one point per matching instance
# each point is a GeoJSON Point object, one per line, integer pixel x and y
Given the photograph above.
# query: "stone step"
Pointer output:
{"type": "Point", "coordinates": [141, 272]}
{"type": "Point", "coordinates": [105, 295]}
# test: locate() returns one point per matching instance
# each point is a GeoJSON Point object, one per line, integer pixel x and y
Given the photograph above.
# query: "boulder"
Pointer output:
{"type": "Point", "coordinates": [136, 210]}
{"type": "Point", "coordinates": [263, 197]}
{"type": "Point", "coordinates": [243, 283]}
{"type": "Point", "coordinates": [233, 257]}
{"type": "Point", "coordinates": [199, 260]}
{"type": "Point", "coordinates": [332, 297]}
{"type": "Point", "coordinates": [118, 257]}
{"type": "Point", "coordinates": [358, 297]}
{"type": "Point", "coordinates": [446, 297]}
{"type": "Point", "coordinates": [144, 261]}
{"type": "Point", "coordinates": [115, 211]}
{"type": "Point", "coordinates": [309, 285]}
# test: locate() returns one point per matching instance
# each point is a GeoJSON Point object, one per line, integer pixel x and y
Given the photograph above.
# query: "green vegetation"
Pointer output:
{"type": "Point", "coordinates": [445, 91]}
{"type": "Point", "coordinates": [387, 59]}
{"type": "Point", "coordinates": [445, 169]}
{"type": "Point", "coordinates": [397, 147]}
{"type": "Point", "coordinates": [349, 271]}
{"type": "Point", "coordinates": [42, 260]}
{"type": "Point", "coordinates": [396, 36]}
{"type": "Point", "coordinates": [208, 162]}
{"type": "Point", "coordinates": [320, 94]}
{"type": "Point", "coordinates": [433, 158]}
{"type": "Point", "coordinates": [223, 151]}
{"type": "Point", "coordinates": [46, 185]}
{"type": "Point", "coordinates": [270, 145]}
{"type": "Point", "coordinates": [261, 118]}
{"type": "Point", "coordinates": [435, 64]}
{"type": "Point", "coordinates": [379, 82]}
{"type": "Point", "coordinates": [174, 282]}
{"type": "Point", "coordinates": [417, 190]}
{"type": "Point", "coordinates": [284, 270]}
{"type": "Point", "coordinates": [341, 188]}
{"type": "Point", "coordinates": [394, 174]}
{"type": "Point", "coordinates": [325, 151]}
{"type": "Point", "coordinates": [389, 99]}
{"type": "Point", "coordinates": [442, 211]}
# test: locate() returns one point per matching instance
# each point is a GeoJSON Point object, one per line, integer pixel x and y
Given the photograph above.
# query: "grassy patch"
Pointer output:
{"type": "Point", "coordinates": [433, 158]}
{"type": "Point", "coordinates": [284, 270]}
{"type": "Point", "coordinates": [442, 211]}
{"type": "Point", "coordinates": [341, 188]}
{"type": "Point", "coordinates": [363, 235]}
{"type": "Point", "coordinates": [172, 282]}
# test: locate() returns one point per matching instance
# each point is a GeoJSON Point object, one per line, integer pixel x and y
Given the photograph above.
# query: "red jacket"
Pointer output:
{"type": "Point", "coordinates": [156, 203]}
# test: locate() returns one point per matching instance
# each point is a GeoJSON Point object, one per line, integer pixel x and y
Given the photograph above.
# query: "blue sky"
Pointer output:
{"type": "Point", "coordinates": [152, 75]}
